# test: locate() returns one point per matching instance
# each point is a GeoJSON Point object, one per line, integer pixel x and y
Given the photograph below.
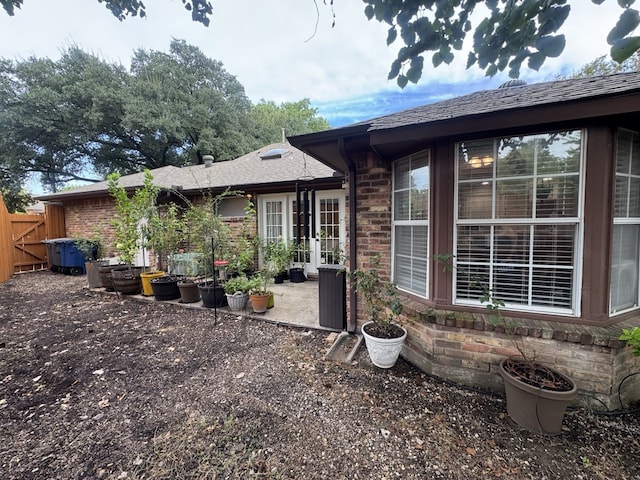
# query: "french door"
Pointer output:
{"type": "Point", "coordinates": [321, 235]}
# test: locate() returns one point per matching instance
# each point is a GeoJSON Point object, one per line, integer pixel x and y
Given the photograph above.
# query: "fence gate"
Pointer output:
{"type": "Point", "coordinates": [21, 236]}
{"type": "Point", "coordinates": [27, 232]}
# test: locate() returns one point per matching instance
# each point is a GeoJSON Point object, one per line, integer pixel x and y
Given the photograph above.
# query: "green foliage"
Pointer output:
{"type": "Point", "coordinates": [632, 337]}
{"type": "Point", "coordinates": [165, 232]}
{"type": "Point", "coordinates": [509, 35]}
{"type": "Point", "coordinates": [261, 281]}
{"type": "Point", "coordinates": [15, 199]}
{"type": "Point", "coordinates": [380, 297]}
{"type": "Point", "coordinates": [80, 117]}
{"type": "Point", "coordinates": [130, 210]}
{"type": "Point", "coordinates": [279, 253]}
{"type": "Point", "coordinates": [92, 246]}
{"type": "Point", "coordinates": [295, 118]}
{"type": "Point", "coordinates": [241, 284]}
{"type": "Point", "coordinates": [207, 231]}
{"type": "Point", "coordinates": [604, 66]}
{"type": "Point", "coordinates": [245, 247]}
{"type": "Point", "coordinates": [200, 9]}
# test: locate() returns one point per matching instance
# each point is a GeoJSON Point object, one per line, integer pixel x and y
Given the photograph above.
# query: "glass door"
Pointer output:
{"type": "Point", "coordinates": [330, 237]}
{"type": "Point", "coordinates": [321, 235]}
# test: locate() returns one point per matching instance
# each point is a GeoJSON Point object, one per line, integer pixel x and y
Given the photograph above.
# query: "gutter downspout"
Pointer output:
{"type": "Point", "coordinates": [353, 246]}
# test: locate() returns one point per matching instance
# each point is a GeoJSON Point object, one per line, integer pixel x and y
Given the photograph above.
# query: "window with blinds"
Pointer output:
{"type": "Point", "coordinates": [411, 223]}
{"type": "Point", "coordinates": [517, 221]}
{"type": "Point", "coordinates": [626, 225]}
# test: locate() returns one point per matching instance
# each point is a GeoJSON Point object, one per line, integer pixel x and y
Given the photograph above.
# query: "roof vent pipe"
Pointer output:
{"type": "Point", "coordinates": [208, 160]}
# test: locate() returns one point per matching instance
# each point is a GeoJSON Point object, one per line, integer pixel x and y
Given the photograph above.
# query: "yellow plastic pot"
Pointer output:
{"type": "Point", "coordinates": [146, 278]}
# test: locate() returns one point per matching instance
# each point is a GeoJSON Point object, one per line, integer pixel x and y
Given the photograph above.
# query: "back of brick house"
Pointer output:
{"type": "Point", "coordinates": [533, 191]}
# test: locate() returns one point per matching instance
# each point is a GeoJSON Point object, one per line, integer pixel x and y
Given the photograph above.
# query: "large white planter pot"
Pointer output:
{"type": "Point", "coordinates": [384, 352]}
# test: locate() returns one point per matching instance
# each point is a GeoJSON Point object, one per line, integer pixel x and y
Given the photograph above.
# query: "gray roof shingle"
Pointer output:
{"type": "Point", "coordinates": [248, 169]}
{"type": "Point", "coordinates": [516, 97]}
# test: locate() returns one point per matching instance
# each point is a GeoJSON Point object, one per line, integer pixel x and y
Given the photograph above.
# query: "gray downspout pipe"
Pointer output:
{"type": "Point", "coordinates": [353, 246]}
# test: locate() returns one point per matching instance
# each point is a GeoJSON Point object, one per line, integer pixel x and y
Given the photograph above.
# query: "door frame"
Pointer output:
{"type": "Point", "coordinates": [288, 211]}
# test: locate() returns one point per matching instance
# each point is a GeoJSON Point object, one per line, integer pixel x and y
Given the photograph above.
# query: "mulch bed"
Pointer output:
{"type": "Point", "coordinates": [92, 386]}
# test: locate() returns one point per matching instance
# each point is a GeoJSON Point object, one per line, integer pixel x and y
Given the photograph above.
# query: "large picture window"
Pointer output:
{"type": "Point", "coordinates": [518, 221]}
{"type": "Point", "coordinates": [626, 224]}
{"type": "Point", "coordinates": [411, 223]}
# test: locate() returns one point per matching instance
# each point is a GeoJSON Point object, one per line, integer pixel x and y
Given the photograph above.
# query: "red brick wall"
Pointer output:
{"type": "Point", "coordinates": [467, 347]}
{"type": "Point", "coordinates": [85, 217]}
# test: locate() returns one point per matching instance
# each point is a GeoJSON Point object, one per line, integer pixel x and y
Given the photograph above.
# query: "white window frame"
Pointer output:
{"type": "Point", "coordinates": [577, 222]}
{"type": "Point", "coordinates": [626, 220]}
{"type": "Point", "coordinates": [412, 223]}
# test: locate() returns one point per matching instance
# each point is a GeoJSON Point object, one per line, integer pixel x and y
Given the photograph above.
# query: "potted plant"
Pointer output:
{"type": "Point", "coordinates": [279, 254]}
{"type": "Point", "coordinates": [537, 395]}
{"type": "Point", "coordinates": [260, 295]}
{"type": "Point", "coordinates": [383, 336]}
{"type": "Point", "coordinates": [165, 235]}
{"type": "Point", "coordinates": [209, 235]}
{"type": "Point", "coordinates": [237, 291]}
{"type": "Point", "coordinates": [632, 337]}
{"type": "Point", "coordinates": [92, 248]}
{"type": "Point", "coordinates": [130, 211]}
{"type": "Point", "coordinates": [300, 253]}
{"type": "Point", "coordinates": [244, 249]}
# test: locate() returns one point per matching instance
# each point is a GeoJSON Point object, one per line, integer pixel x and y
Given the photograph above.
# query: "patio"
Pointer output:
{"type": "Point", "coordinates": [296, 304]}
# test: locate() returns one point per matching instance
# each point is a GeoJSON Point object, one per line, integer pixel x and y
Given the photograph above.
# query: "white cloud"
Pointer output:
{"type": "Point", "coordinates": [270, 45]}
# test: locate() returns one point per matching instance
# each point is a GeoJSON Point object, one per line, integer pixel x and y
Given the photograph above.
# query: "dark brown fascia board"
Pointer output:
{"type": "Point", "coordinates": [326, 183]}
{"type": "Point", "coordinates": [322, 183]}
{"type": "Point", "coordinates": [323, 146]}
{"type": "Point", "coordinates": [510, 119]}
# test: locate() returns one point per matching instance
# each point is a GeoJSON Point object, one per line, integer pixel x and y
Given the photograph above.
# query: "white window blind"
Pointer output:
{"type": "Point", "coordinates": [411, 223]}
{"type": "Point", "coordinates": [517, 221]}
{"type": "Point", "coordinates": [625, 245]}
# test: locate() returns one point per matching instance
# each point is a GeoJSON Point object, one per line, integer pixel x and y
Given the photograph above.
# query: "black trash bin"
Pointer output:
{"type": "Point", "coordinates": [332, 294]}
{"type": "Point", "coordinates": [54, 255]}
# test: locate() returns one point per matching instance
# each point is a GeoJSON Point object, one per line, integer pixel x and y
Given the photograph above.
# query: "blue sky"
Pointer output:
{"type": "Point", "coordinates": [286, 50]}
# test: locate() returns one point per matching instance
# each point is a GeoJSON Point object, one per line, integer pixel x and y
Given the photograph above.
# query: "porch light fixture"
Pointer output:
{"type": "Point", "coordinates": [477, 162]}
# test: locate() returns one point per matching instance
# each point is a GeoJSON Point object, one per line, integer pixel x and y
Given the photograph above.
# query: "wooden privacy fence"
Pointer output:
{"type": "Point", "coordinates": [21, 237]}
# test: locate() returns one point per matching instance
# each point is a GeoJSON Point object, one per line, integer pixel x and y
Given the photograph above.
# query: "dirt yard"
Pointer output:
{"type": "Point", "coordinates": [96, 387]}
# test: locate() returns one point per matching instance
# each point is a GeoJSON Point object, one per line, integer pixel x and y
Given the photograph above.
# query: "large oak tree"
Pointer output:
{"type": "Point", "coordinates": [81, 118]}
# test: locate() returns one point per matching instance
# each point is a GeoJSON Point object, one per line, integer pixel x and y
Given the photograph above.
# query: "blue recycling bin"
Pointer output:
{"type": "Point", "coordinates": [73, 261]}
{"type": "Point", "coordinates": [65, 257]}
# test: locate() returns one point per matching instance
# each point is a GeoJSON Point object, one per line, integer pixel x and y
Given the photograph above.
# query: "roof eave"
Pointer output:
{"type": "Point", "coordinates": [323, 146]}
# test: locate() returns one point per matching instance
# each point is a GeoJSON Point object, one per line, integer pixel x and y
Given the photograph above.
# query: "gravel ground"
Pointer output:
{"type": "Point", "coordinates": [92, 386]}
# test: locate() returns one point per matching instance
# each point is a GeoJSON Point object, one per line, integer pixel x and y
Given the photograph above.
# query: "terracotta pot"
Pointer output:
{"type": "Point", "coordinates": [260, 303]}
